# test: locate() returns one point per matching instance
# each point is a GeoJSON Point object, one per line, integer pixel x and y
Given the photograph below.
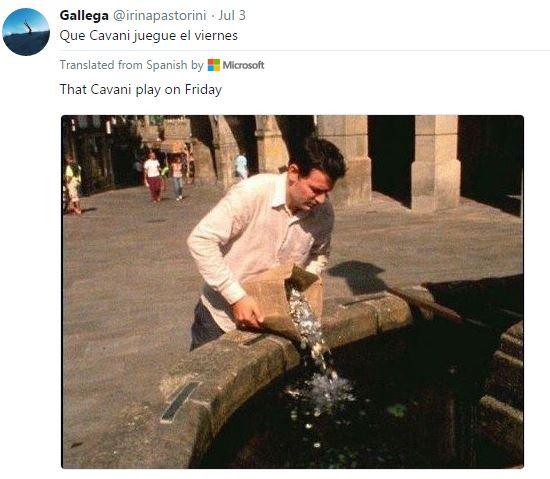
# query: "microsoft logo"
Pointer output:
{"type": "Point", "coordinates": [214, 64]}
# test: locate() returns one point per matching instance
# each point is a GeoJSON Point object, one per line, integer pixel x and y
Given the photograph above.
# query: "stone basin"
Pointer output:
{"type": "Point", "coordinates": [203, 390]}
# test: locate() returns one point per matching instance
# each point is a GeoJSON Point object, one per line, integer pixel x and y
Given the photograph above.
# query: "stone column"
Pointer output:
{"type": "Point", "coordinates": [226, 149]}
{"type": "Point", "coordinates": [272, 149]}
{"type": "Point", "coordinates": [204, 163]}
{"type": "Point", "coordinates": [109, 173]}
{"type": "Point", "coordinates": [350, 134]}
{"type": "Point", "coordinates": [436, 169]}
{"type": "Point", "coordinates": [201, 138]}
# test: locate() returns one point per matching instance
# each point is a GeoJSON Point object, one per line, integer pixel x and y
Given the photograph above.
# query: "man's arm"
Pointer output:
{"type": "Point", "coordinates": [318, 256]}
{"type": "Point", "coordinates": [247, 312]}
{"type": "Point", "coordinates": [224, 222]}
{"type": "Point", "coordinates": [320, 250]}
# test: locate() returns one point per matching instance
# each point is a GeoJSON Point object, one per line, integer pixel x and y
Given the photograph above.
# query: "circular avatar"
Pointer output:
{"type": "Point", "coordinates": [25, 31]}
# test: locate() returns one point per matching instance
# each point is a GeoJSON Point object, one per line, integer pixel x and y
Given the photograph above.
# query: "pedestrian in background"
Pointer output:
{"type": "Point", "coordinates": [73, 179]}
{"type": "Point", "coordinates": [241, 167]}
{"type": "Point", "coordinates": [190, 173]}
{"type": "Point", "coordinates": [177, 177]}
{"type": "Point", "coordinates": [164, 172]}
{"type": "Point", "coordinates": [152, 177]}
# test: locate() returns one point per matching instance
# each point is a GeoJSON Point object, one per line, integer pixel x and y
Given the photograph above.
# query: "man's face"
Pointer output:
{"type": "Point", "coordinates": [306, 192]}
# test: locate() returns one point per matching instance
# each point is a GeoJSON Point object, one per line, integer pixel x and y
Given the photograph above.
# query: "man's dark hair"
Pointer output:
{"type": "Point", "coordinates": [320, 154]}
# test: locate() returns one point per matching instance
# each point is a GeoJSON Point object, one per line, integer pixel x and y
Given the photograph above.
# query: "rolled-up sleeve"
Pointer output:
{"type": "Point", "coordinates": [207, 240]}
{"type": "Point", "coordinates": [319, 255]}
{"type": "Point", "coordinates": [320, 249]}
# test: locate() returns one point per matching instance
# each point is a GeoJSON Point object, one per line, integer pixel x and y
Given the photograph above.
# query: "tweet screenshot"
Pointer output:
{"type": "Point", "coordinates": [274, 235]}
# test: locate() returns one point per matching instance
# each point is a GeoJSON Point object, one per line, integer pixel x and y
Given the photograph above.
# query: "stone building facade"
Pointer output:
{"type": "Point", "coordinates": [426, 162]}
{"type": "Point", "coordinates": [85, 138]}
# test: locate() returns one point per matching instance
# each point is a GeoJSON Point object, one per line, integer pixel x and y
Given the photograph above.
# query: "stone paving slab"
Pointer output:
{"type": "Point", "coordinates": [130, 285]}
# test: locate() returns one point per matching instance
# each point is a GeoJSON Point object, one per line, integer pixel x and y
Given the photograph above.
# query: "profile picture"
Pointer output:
{"type": "Point", "coordinates": [26, 32]}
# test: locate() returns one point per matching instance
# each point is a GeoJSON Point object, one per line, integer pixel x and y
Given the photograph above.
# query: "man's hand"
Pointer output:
{"type": "Point", "coordinates": [247, 313]}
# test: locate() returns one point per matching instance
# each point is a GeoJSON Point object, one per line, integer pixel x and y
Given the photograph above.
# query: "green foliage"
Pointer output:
{"type": "Point", "coordinates": [397, 410]}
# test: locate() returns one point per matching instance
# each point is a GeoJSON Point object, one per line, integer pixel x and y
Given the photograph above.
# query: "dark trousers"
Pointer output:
{"type": "Point", "coordinates": [204, 328]}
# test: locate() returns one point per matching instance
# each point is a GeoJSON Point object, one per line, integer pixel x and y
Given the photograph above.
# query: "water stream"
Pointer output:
{"type": "Point", "coordinates": [325, 392]}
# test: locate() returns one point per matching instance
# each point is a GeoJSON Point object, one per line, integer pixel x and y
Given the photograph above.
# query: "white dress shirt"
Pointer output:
{"type": "Point", "coordinates": [251, 230]}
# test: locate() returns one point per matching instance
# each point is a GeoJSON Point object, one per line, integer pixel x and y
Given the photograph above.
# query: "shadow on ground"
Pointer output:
{"type": "Point", "coordinates": [506, 203]}
{"type": "Point", "coordinates": [84, 210]}
{"type": "Point", "coordinates": [361, 277]}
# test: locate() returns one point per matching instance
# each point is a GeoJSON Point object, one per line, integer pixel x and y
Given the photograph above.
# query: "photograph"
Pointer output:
{"type": "Point", "coordinates": [292, 291]}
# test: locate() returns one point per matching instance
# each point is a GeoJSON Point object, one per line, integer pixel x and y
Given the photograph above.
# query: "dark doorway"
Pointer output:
{"type": "Point", "coordinates": [123, 159]}
{"type": "Point", "coordinates": [295, 129]}
{"type": "Point", "coordinates": [248, 144]}
{"type": "Point", "coordinates": [201, 131]}
{"type": "Point", "coordinates": [490, 149]}
{"type": "Point", "coordinates": [126, 146]}
{"type": "Point", "coordinates": [391, 149]}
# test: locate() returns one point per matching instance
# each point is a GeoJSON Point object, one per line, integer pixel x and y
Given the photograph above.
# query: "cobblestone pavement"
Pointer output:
{"type": "Point", "coordinates": [130, 285]}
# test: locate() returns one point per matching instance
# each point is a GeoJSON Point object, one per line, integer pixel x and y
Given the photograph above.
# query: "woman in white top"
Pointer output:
{"type": "Point", "coordinates": [152, 176]}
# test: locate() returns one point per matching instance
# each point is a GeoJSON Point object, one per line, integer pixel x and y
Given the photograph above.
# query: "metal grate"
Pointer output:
{"type": "Point", "coordinates": [170, 413]}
